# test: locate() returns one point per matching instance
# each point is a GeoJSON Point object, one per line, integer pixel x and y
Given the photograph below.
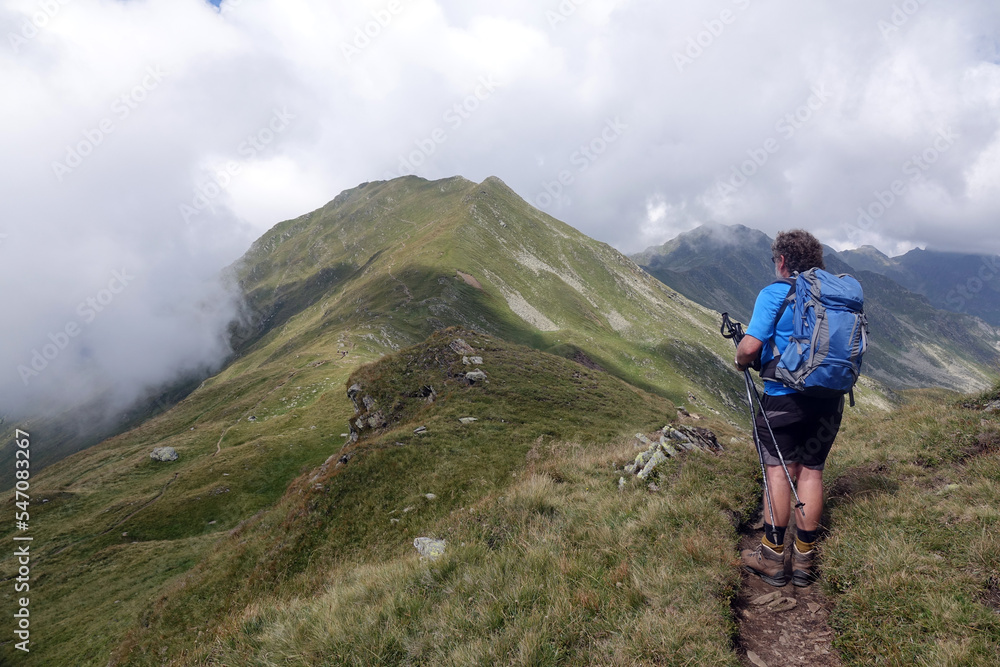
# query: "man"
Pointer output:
{"type": "Point", "coordinates": [803, 426]}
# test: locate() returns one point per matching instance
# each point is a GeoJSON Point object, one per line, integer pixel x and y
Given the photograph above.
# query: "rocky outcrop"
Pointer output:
{"type": "Point", "coordinates": [668, 443]}
{"type": "Point", "coordinates": [378, 404]}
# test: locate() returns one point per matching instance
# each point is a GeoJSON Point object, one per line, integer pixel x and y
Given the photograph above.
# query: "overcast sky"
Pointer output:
{"type": "Point", "coordinates": [158, 138]}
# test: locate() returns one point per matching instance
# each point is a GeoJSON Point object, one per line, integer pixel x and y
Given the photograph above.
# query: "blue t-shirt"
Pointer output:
{"type": "Point", "coordinates": [762, 328]}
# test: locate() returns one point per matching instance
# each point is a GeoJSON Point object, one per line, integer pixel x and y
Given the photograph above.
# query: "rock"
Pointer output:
{"type": "Point", "coordinates": [621, 481]}
{"type": "Point", "coordinates": [476, 376]}
{"type": "Point", "coordinates": [429, 548]}
{"type": "Point", "coordinates": [653, 487]}
{"type": "Point", "coordinates": [164, 454]}
{"type": "Point", "coordinates": [630, 468]}
{"type": "Point", "coordinates": [430, 496]}
{"type": "Point", "coordinates": [468, 420]}
{"type": "Point", "coordinates": [814, 607]}
{"type": "Point", "coordinates": [755, 659]}
{"type": "Point", "coordinates": [476, 361]}
{"type": "Point", "coordinates": [251, 418]}
{"type": "Point", "coordinates": [459, 346]}
{"type": "Point", "coordinates": [992, 407]}
{"type": "Point", "coordinates": [352, 394]}
{"type": "Point", "coordinates": [368, 402]}
{"type": "Point", "coordinates": [783, 604]}
{"type": "Point", "coordinates": [658, 458]}
{"type": "Point", "coordinates": [377, 420]}
{"type": "Point", "coordinates": [420, 429]}
{"type": "Point", "coordinates": [643, 439]}
{"type": "Point", "coordinates": [766, 599]}
{"type": "Point", "coordinates": [669, 451]}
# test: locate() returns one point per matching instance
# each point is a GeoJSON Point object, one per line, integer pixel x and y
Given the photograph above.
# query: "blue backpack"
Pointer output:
{"type": "Point", "coordinates": [829, 335]}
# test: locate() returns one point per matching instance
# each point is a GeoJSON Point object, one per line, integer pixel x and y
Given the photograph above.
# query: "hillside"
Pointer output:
{"type": "Point", "coordinates": [382, 267]}
{"type": "Point", "coordinates": [913, 344]}
{"type": "Point", "coordinates": [359, 513]}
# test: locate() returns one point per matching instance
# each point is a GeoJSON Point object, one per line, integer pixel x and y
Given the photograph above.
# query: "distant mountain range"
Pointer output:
{"type": "Point", "coordinates": [956, 282]}
{"type": "Point", "coordinates": [915, 341]}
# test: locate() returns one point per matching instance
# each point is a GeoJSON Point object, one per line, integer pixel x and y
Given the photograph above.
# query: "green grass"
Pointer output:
{"type": "Point", "coordinates": [562, 568]}
{"type": "Point", "coordinates": [912, 560]}
{"type": "Point", "coordinates": [370, 510]}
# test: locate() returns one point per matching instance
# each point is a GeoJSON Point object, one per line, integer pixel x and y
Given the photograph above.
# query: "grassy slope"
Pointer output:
{"type": "Point", "coordinates": [355, 518]}
{"type": "Point", "coordinates": [557, 566]}
{"type": "Point", "coordinates": [913, 559]}
{"type": "Point", "coordinates": [391, 253]}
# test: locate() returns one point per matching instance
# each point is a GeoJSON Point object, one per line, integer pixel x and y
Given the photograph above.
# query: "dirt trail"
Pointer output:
{"type": "Point", "coordinates": [769, 637]}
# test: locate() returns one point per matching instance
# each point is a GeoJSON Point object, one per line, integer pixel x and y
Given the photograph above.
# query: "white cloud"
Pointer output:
{"type": "Point", "coordinates": [358, 116]}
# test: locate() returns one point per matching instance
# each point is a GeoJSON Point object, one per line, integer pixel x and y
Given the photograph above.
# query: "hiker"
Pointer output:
{"type": "Point", "coordinates": [804, 426]}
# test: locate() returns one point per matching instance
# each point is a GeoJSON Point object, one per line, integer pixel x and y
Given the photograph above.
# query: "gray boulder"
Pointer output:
{"type": "Point", "coordinates": [164, 454]}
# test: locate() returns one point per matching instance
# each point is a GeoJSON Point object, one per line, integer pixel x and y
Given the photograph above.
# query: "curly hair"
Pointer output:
{"type": "Point", "coordinates": [801, 249]}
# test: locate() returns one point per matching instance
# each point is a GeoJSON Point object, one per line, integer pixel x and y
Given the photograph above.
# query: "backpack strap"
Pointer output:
{"type": "Point", "coordinates": [768, 372]}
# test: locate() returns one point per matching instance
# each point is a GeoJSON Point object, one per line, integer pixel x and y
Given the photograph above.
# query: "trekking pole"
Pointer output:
{"type": "Point", "coordinates": [735, 333]}
{"type": "Point", "coordinates": [799, 505]}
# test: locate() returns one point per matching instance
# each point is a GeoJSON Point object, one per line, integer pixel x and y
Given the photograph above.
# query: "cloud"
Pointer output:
{"type": "Point", "coordinates": [734, 111]}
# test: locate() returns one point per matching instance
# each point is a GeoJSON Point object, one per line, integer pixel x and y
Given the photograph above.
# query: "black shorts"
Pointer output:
{"type": "Point", "coordinates": [804, 427]}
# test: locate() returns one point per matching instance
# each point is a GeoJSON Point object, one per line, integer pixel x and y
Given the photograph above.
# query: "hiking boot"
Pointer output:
{"type": "Point", "coordinates": [766, 563]}
{"type": "Point", "coordinates": [803, 567]}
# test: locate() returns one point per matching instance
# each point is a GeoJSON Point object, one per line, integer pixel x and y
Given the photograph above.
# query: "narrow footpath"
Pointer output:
{"type": "Point", "coordinates": [782, 626]}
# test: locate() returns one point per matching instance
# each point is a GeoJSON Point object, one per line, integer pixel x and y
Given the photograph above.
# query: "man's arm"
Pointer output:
{"type": "Point", "coordinates": [748, 352]}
